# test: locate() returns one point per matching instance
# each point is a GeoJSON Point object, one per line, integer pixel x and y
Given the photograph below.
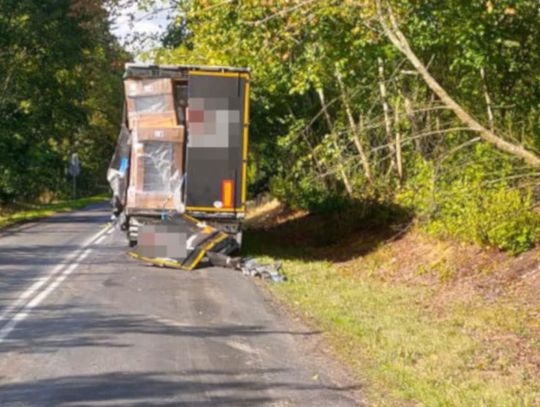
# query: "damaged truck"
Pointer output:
{"type": "Point", "coordinates": [182, 148]}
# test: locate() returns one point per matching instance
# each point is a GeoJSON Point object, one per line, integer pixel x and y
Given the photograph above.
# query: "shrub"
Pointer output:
{"type": "Point", "coordinates": [307, 193]}
{"type": "Point", "coordinates": [499, 217]}
{"type": "Point", "coordinates": [468, 206]}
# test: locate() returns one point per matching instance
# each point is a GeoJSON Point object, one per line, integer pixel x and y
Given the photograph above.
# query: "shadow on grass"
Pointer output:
{"type": "Point", "coordinates": [337, 236]}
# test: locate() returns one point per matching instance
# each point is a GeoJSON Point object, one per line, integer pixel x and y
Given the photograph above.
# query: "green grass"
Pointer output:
{"type": "Point", "coordinates": [397, 347]}
{"type": "Point", "coordinates": [28, 212]}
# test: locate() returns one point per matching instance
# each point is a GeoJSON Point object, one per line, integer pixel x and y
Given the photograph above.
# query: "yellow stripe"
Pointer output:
{"type": "Point", "coordinates": [245, 146]}
{"type": "Point", "coordinates": [223, 74]}
{"type": "Point", "coordinates": [211, 209]}
{"type": "Point", "coordinates": [191, 218]}
{"type": "Point", "coordinates": [208, 246]}
{"type": "Point", "coordinates": [177, 265]}
{"type": "Point", "coordinates": [159, 262]}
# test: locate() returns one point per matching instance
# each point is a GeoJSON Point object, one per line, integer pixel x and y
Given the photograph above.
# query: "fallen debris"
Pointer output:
{"type": "Point", "coordinates": [183, 242]}
{"type": "Point", "coordinates": [249, 267]}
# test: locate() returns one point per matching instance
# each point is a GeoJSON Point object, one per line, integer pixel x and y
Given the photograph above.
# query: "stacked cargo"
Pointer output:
{"type": "Point", "coordinates": [157, 145]}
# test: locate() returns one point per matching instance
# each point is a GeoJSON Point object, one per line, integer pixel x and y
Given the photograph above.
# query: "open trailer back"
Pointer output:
{"type": "Point", "coordinates": [183, 146]}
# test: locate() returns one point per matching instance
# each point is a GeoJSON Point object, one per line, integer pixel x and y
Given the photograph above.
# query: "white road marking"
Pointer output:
{"type": "Point", "coordinates": [242, 347]}
{"type": "Point", "coordinates": [169, 322]}
{"type": "Point", "coordinates": [100, 239]}
{"type": "Point", "coordinates": [77, 256]}
{"type": "Point", "coordinates": [23, 314]}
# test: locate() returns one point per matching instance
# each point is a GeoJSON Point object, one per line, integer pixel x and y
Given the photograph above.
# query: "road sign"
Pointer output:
{"type": "Point", "coordinates": [74, 168]}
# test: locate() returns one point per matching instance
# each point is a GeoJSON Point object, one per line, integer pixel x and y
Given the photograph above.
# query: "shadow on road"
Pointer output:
{"type": "Point", "coordinates": [51, 328]}
{"type": "Point", "coordinates": [189, 388]}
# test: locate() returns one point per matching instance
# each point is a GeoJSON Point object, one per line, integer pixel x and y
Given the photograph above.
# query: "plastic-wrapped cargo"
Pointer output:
{"type": "Point", "coordinates": [150, 103]}
{"type": "Point", "coordinates": [156, 169]}
{"type": "Point", "coordinates": [117, 174]}
{"type": "Point", "coordinates": [199, 169]}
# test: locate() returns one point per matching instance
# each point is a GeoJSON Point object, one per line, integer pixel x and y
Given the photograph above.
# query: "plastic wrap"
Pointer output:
{"type": "Point", "coordinates": [152, 104]}
{"type": "Point", "coordinates": [156, 174]}
{"type": "Point", "coordinates": [117, 174]}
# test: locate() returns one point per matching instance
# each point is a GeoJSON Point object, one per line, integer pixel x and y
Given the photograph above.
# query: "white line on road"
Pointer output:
{"type": "Point", "coordinates": [22, 314]}
{"type": "Point", "coordinates": [77, 256]}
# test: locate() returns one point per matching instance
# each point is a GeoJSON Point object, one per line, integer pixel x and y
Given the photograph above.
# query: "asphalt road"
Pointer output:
{"type": "Point", "coordinates": [81, 324]}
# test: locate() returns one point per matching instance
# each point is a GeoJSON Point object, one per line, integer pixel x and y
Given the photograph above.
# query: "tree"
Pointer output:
{"type": "Point", "coordinates": [61, 87]}
{"type": "Point", "coordinates": [397, 38]}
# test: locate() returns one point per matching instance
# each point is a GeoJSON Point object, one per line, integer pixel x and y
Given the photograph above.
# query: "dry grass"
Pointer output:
{"type": "Point", "coordinates": [419, 320]}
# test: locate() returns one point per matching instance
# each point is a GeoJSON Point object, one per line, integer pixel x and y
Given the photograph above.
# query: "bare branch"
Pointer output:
{"type": "Point", "coordinates": [396, 36]}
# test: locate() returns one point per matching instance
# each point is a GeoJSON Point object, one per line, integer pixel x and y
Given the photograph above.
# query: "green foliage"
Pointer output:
{"type": "Point", "coordinates": [499, 217]}
{"type": "Point", "coordinates": [27, 212]}
{"type": "Point", "coordinates": [476, 204]}
{"type": "Point", "coordinates": [307, 194]}
{"type": "Point", "coordinates": [318, 117]}
{"type": "Point", "coordinates": [60, 75]}
{"type": "Point", "coordinates": [394, 341]}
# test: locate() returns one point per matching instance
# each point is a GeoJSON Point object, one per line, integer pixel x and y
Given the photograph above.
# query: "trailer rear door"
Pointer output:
{"type": "Point", "coordinates": [216, 152]}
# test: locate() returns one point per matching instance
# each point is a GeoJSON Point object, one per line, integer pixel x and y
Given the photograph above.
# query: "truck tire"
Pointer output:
{"type": "Point", "coordinates": [133, 234]}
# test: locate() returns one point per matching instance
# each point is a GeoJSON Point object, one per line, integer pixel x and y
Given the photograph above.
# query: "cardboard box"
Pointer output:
{"type": "Point", "coordinates": [171, 134]}
{"type": "Point", "coordinates": [152, 120]}
{"type": "Point", "coordinates": [152, 201]}
{"type": "Point", "coordinates": [149, 188]}
{"type": "Point", "coordinates": [145, 87]}
{"type": "Point", "coordinates": [152, 104]}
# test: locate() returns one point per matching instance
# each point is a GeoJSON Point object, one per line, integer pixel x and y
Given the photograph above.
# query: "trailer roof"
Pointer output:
{"type": "Point", "coordinates": [173, 71]}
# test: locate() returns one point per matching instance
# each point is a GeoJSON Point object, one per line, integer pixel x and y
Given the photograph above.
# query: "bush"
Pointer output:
{"type": "Point", "coordinates": [469, 207]}
{"type": "Point", "coordinates": [308, 193]}
{"type": "Point", "coordinates": [499, 217]}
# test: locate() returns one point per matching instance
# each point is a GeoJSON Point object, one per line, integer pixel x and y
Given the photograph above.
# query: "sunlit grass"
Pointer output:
{"type": "Point", "coordinates": [397, 345]}
{"type": "Point", "coordinates": [28, 212]}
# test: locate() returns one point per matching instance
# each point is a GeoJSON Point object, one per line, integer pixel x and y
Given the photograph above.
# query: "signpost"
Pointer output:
{"type": "Point", "coordinates": [74, 170]}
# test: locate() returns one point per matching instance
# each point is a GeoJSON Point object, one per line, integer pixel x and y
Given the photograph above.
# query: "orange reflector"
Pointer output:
{"type": "Point", "coordinates": [227, 192]}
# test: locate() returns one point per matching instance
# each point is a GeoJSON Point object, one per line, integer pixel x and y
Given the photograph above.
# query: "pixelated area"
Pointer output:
{"type": "Point", "coordinates": [215, 124]}
{"type": "Point", "coordinates": [162, 241]}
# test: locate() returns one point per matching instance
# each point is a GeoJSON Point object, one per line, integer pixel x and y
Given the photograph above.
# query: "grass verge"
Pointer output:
{"type": "Point", "coordinates": [398, 341]}
{"type": "Point", "coordinates": [27, 212]}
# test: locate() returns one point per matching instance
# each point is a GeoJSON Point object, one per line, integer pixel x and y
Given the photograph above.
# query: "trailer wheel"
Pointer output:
{"type": "Point", "coordinates": [133, 232]}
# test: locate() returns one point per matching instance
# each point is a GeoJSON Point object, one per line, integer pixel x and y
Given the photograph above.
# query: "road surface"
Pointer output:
{"type": "Point", "coordinates": [81, 324]}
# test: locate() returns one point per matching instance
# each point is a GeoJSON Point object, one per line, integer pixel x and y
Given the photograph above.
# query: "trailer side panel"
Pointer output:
{"type": "Point", "coordinates": [216, 151]}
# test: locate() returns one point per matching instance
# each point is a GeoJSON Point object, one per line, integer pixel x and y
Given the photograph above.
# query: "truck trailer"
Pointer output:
{"type": "Point", "coordinates": [182, 148]}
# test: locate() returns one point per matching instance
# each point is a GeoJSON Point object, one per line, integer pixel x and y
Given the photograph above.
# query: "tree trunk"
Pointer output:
{"type": "Point", "coordinates": [355, 131]}
{"type": "Point", "coordinates": [411, 116]}
{"type": "Point", "coordinates": [489, 109]}
{"type": "Point", "coordinates": [386, 113]}
{"type": "Point", "coordinates": [320, 167]}
{"type": "Point", "coordinates": [399, 161]}
{"type": "Point", "coordinates": [399, 40]}
{"type": "Point", "coordinates": [341, 169]}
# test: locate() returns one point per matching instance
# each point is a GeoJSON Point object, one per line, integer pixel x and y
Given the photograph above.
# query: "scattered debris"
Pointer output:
{"type": "Point", "coordinates": [272, 271]}
{"type": "Point", "coordinates": [249, 267]}
{"type": "Point", "coordinates": [182, 242]}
